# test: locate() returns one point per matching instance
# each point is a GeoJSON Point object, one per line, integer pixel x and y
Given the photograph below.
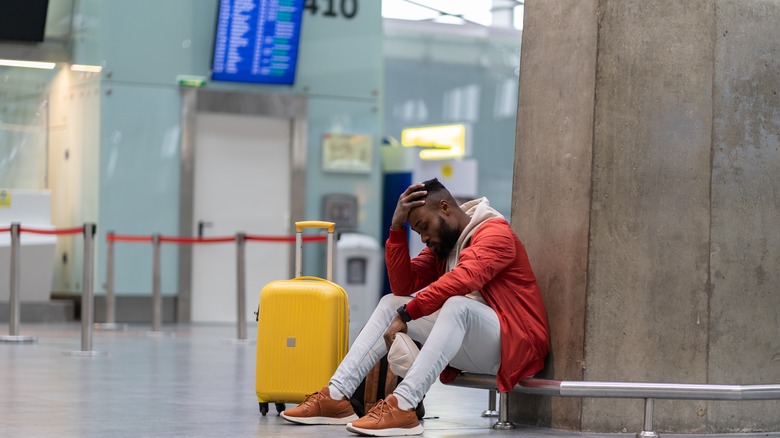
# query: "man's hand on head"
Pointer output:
{"type": "Point", "coordinates": [412, 197]}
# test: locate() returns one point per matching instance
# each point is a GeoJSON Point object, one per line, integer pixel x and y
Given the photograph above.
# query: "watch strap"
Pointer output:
{"type": "Point", "coordinates": [404, 314]}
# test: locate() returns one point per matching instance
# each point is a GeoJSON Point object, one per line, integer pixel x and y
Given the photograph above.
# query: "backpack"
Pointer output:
{"type": "Point", "coordinates": [378, 384]}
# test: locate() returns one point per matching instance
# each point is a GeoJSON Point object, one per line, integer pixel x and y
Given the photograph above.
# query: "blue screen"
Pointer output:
{"type": "Point", "coordinates": [257, 41]}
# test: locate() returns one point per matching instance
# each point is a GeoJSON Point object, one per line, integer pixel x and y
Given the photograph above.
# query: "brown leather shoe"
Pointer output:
{"type": "Point", "coordinates": [387, 419]}
{"type": "Point", "coordinates": [319, 408]}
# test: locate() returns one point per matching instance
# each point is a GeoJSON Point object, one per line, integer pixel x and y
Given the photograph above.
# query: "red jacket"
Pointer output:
{"type": "Point", "coordinates": [494, 263]}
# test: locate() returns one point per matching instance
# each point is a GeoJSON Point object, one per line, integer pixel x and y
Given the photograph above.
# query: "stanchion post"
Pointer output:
{"type": "Point", "coordinates": [241, 283]}
{"type": "Point", "coordinates": [14, 301]}
{"type": "Point", "coordinates": [14, 298]}
{"type": "Point", "coordinates": [156, 293]}
{"type": "Point", "coordinates": [110, 299]}
{"type": "Point", "coordinates": [87, 293]}
{"type": "Point", "coordinates": [110, 323]}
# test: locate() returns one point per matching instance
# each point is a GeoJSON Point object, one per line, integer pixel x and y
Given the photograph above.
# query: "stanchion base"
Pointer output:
{"type": "Point", "coordinates": [81, 353]}
{"type": "Point", "coordinates": [647, 434]}
{"type": "Point", "coordinates": [504, 425]}
{"type": "Point", "coordinates": [110, 326]}
{"type": "Point", "coordinates": [237, 341]}
{"type": "Point", "coordinates": [16, 339]}
{"type": "Point", "coordinates": [490, 413]}
{"type": "Point", "coordinates": [160, 334]}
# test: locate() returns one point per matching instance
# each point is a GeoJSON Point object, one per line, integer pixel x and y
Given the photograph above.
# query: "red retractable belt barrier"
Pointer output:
{"type": "Point", "coordinates": [60, 232]}
{"type": "Point", "coordinates": [88, 233]}
{"type": "Point", "coordinates": [110, 237]}
{"type": "Point", "coordinates": [285, 238]}
{"type": "Point", "coordinates": [194, 240]}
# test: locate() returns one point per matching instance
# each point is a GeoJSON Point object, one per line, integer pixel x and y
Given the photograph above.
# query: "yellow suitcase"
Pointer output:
{"type": "Point", "coordinates": [302, 331]}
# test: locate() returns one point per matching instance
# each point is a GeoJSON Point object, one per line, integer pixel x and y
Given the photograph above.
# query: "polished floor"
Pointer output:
{"type": "Point", "coordinates": [194, 381]}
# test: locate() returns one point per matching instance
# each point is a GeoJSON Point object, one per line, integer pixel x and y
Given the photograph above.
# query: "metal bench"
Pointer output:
{"type": "Point", "coordinates": [647, 391]}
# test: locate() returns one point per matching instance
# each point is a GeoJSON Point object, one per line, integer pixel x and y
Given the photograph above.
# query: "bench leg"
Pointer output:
{"type": "Point", "coordinates": [648, 431]}
{"type": "Point", "coordinates": [503, 413]}
{"type": "Point", "coordinates": [491, 410]}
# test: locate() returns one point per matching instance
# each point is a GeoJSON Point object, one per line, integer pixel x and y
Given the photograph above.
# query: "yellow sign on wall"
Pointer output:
{"type": "Point", "coordinates": [5, 199]}
{"type": "Point", "coordinates": [441, 142]}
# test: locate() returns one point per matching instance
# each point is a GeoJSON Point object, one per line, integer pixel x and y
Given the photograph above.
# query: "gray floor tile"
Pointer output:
{"type": "Point", "coordinates": [194, 382]}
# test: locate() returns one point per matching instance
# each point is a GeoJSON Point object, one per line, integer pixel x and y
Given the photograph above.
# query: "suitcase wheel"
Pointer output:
{"type": "Point", "coordinates": [280, 407]}
{"type": "Point", "coordinates": [263, 408]}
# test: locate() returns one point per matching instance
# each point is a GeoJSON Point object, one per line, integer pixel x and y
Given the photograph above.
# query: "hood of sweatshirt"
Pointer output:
{"type": "Point", "coordinates": [480, 211]}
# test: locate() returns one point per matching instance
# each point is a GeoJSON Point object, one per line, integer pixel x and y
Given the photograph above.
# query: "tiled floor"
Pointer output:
{"type": "Point", "coordinates": [194, 383]}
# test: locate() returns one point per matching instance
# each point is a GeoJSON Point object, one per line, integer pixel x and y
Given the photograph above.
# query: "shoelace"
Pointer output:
{"type": "Point", "coordinates": [311, 396]}
{"type": "Point", "coordinates": [377, 410]}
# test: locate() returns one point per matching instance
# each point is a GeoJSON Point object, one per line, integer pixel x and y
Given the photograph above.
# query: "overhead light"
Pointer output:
{"type": "Point", "coordinates": [87, 68]}
{"type": "Point", "coordinates": [439, 142]}
{"type": "Point", "coordinates": [27, 64]}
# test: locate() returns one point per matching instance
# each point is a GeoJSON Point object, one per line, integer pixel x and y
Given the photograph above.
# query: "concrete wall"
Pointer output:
{"type": "Point", "coordinates": [551, 190]}
{"type": "Point", "coordinates": [744, 333]}
{"type": "Point", "coordinates": [649, 214]}
{"type": "Point", "coordinates": [649, 249]}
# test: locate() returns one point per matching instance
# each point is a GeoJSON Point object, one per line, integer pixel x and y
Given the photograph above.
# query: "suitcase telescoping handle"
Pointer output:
{"type": "Point", "coordinates": [299, 226]}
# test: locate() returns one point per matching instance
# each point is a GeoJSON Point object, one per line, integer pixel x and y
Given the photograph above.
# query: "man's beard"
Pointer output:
{"type": "Point", "coordinates": [449, 237]}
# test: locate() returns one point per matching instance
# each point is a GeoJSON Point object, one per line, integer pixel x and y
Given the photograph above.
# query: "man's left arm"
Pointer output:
{"type": "Point", "coordinates": [492, 249]}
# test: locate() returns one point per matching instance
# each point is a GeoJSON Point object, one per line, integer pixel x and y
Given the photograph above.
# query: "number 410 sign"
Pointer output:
{"type": "Point", "coordinates": [333, 8]}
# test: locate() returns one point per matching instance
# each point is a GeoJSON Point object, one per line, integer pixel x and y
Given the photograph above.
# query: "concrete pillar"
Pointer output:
{"type": "Point", "coordinates": [646, 193]}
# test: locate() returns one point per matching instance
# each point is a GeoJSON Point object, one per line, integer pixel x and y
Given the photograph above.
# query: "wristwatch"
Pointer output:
{"type": "Point", "coordinates": [404, 314]}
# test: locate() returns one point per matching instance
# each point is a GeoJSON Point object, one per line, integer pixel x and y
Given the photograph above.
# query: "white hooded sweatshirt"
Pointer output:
{"type": "Point", "coordinates": [480, 211]}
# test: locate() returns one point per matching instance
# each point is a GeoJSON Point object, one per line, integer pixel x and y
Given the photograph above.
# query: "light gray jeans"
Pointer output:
{"type": "Point", "coordinates": [465, 333]}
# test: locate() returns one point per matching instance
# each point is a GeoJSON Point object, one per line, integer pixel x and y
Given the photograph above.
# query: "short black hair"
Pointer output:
{"type": "Point", "coordinates": [433, 185]}
{"type": "Point", "coordinates": [436, 192]}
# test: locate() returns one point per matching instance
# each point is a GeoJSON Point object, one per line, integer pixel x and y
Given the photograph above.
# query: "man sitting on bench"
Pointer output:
{"type": "Point", "coordinates": [470, 297]}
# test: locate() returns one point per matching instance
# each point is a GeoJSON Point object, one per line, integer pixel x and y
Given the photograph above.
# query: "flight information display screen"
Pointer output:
{"type": "Point", "coordinates": [257, 41]}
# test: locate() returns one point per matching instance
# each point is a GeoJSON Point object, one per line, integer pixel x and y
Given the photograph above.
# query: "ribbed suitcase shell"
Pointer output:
{"type": "Point", "coordinates": [302, 336]}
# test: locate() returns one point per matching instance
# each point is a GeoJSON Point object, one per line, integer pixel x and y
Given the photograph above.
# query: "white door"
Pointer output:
{"type": "Point", "coordinates": [242, 184]}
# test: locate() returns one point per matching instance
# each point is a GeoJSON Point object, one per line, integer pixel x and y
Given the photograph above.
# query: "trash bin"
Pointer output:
{"type": "Point", "coordinates": [359, 272]}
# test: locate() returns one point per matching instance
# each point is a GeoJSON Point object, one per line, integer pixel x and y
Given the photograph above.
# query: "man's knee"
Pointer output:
{"type": "Point", "coordinates": [456, 305]}
{"type": "Point", "coordinates": [393, 301]}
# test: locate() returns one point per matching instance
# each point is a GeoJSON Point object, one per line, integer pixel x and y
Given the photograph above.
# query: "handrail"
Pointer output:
{"type": "Point", "coordinates": [669, 391]}
{"type": "Point", "coordinates": [638, 390]}
{"type": "Point", "coordinates": [677, 391]}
